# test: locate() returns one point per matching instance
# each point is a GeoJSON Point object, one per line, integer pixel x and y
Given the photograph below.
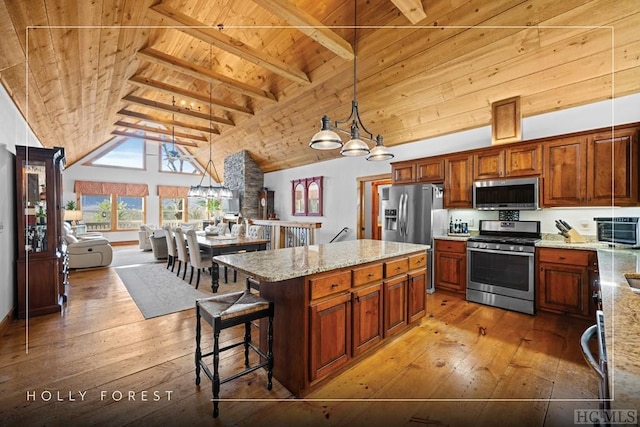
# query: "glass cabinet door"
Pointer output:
{"type": "Point", "coordinates": [34, 200]}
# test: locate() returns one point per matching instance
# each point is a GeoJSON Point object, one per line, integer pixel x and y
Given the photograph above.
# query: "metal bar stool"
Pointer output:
{"type": "Point", "coordinates": [226, 311]}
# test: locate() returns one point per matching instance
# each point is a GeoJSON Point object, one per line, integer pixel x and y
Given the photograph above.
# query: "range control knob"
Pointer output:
{"type": "Point", "coordinates": [521, 248]}
{"type": "Point", "coordinates": [512, 248]}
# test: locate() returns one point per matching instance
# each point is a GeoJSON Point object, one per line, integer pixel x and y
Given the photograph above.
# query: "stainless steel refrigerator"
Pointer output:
{"type": "Point", "coordinates": [414, 214]}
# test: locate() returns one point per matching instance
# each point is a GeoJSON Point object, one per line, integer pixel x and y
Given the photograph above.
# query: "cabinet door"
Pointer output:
{"type": "Point", "coordinates": [330, 335]}
{"type": "Point", "coordinates": [564, 289]}
{"type": "Point", "coordinates": [367, 318]}
{"type": "Point", "coordinates": [458, 182]}
{"type": "Point", "coordinates": [613, 168]}
{"type": "Point", "coordinates": [488, 164]}
{"type": "Point", "coordinates": [417, 294]}
{"type": "Point", "coordinates": [395, 305]}
{"type": "Point", "coordinates": [523, 161]}
{"type": "Point", "coordinates": [430, 170]}
{"type": "Point", "coordinates": [451, 271]}
{"type": "Point", "coordinates": [565, 166]}
{"type": "Point", "coordinates": [403, 173]}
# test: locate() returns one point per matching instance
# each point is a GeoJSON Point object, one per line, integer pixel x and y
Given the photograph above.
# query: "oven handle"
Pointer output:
{"type": "Point", "coordinates": [588, 356]}
{"type": "Point", "coordinates": [491, 251]}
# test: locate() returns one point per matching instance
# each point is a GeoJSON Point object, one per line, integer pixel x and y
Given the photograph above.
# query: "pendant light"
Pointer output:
{"type": "Point", "coordinates": [211, 191]}
{"type": "Point", "coordinates": [328, 139]}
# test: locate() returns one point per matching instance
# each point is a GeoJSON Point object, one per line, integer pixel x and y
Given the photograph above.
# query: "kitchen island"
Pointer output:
{"type": "Point", "coordinates": [335, 302]}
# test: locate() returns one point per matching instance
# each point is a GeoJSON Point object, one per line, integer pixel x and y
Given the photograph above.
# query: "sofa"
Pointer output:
{"type": "Point", "coordinates": [87, 252]}
{"type": "Point", "coordinates": [146, 231]}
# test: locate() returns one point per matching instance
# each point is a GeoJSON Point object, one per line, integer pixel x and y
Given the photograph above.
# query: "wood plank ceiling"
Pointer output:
{"type": "Point", "coordinates": [101, 69]}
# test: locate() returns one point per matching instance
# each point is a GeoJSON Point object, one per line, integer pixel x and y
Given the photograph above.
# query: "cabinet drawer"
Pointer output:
{"type": "Point", "coordinates": [418, 261]}
{"type": "Point", "coordinates": [326, 285]}
{"type": "Point", "coordinates": [451, 246]}
{"type": "Point", "coordinates": [367, 274]}
{"type": "Point", "coordinates": [564, 256]}
{"type": "Point", "coordinates": [395, 267]}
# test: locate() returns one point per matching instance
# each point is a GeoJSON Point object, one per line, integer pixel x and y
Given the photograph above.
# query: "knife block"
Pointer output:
{"type": "Point", "coordinates": [574, 237]}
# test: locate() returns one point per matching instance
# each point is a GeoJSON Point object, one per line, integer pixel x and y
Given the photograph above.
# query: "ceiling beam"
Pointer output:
{"type": "Point", "coordinates": [175, 109]}
{"type": "Point", "coordinates": [215, 37]}
{"type": "Point", "coordinates": [182, 66]}
{"type": "Point", "coordinates": [151, 138]}
{"type": "Point", "coordinates": [412, 9]}
{"type": "Point", "coordinates": [308, 25]}
{"type": "Point", "coordinates": [145, 83]}
{"type": "Point", "coordinates": [162, 131]}
{"type": "Point", "coordinates": [155, 119]}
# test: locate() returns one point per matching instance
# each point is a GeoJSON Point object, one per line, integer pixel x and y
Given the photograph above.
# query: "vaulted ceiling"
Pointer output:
{"type": "Point", "coordinates": [85, 72]}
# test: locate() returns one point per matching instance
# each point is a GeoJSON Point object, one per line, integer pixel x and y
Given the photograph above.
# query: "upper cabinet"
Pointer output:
{"type": "Point", "coordinates": [427, 170]}
{"type": "Point", "coordinates": [519, 160]}
{"type": "Point", "coordinates": [599, 169]}
{"type": "Point", "coordinates": [403, 173]}
{"type": "Point", "coordinates": [458, 181]}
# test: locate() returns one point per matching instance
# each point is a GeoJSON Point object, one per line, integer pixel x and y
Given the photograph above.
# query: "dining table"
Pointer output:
{"type": "Point", "coordinates": [227, 244]}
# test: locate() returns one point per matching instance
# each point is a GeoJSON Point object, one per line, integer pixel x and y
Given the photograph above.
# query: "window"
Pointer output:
{"type": "Point", "coordinates": [104, 212]}
{"type": "Point", "coordinates": [306, 196]}
{"type": "Point", "coordinates": [175, 159]}
{"type": "Point", "coordinates": [197, 210]}
{"type": "Point", "coordinates": [172, 210]}
{"type": "Point", "coordinates": [129, 153]}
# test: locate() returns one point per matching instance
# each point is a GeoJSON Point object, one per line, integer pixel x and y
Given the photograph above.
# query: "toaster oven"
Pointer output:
{"type": "Point", "coordinates": [619, 230]}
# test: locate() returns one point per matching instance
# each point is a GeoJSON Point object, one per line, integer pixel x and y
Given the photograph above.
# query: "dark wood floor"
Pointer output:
{"type": "Point", "coordinates": [464, 364]}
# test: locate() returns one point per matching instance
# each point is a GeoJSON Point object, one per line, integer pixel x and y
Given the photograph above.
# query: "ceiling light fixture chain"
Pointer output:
{"type": "Point", "coordinates": [217, 191]}
{"type": "Point", "coordinates": [328, 139]}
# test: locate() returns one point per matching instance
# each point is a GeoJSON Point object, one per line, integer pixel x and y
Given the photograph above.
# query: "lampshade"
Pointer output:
{"type": "Point", "coordinates": [72, 215]}
{"type": "Point", "coordinates": [355, 146]}
{"type": "Point", "coordinates": [325, 139]}
{"type": "Point", "coordinates": [379, 152]}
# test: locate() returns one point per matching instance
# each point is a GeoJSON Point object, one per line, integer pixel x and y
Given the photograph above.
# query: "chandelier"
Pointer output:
{"type": "Point", "coordinates": [217, 190]}
{"type": "Point", "coordinates": [328, 139]}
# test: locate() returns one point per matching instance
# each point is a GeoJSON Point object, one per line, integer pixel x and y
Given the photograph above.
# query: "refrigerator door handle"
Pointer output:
{"type": "Point", "coordinates": [400, 221]}
{"type": "Point", "coordinates": [405, 213]}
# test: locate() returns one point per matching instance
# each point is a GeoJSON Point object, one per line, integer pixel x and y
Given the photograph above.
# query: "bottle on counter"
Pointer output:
{"type": "Point", "coordinates": [451, 229]}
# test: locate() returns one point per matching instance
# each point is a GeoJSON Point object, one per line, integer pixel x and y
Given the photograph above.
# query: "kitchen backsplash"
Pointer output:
{"type": "Point", "coordinates": [579, 218]}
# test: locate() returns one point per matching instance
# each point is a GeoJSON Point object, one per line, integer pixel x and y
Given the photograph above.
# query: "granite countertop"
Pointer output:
{"type": "Point", "coordinates": [289, 263]}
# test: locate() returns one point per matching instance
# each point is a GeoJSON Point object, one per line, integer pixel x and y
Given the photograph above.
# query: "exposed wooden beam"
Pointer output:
{"type": "Point", "coordinates": [182, 66]}
{"type": "Point", "coordinates": [412, 9]}
{"type": "Point", "coordinates": [162, 131]}
{"type": "Point", "coordinates": [215, 37]}
{"type": "Point", "coordinates": [308, 25]}
{"type": "Point", "coordinates": [175, 109]}
{"type": "Point", "coordinates": [151, 138]}
{"type": "Point", "coordinates": [155, 119]}
{"type": "Point", "coordinates": [143, 82]}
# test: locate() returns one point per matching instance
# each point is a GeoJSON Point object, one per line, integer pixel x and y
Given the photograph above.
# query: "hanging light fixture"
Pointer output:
{"type": "Point", "coordinates": [211, 191]}
{"type": "Point", "coordinates": [328, 139]}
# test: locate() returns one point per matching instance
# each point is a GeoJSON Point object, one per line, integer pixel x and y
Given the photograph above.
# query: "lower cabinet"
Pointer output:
{"type": "Point", "coordinates": [367, 318]}
{"type": "Point", "coordinates": [330, 339]}
{"type": "Point", "coordinates": [395, 305]}
{"type": "Point", "coordinates": [451, 265]}
{"type": "Point", "coordinates": [417, 295]}
{"type": "Point", "coordinates": [565, 281]}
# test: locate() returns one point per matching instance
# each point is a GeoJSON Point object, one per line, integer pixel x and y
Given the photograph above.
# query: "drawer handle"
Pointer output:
{"type": "Point", "coordinates": [561, 257]}
{"type": "Point", "coordinates": [334, 285]}
{"type": "Point", "coordinates": [398, 268]}
{"type": "Point", "coordinates": [370, 275]}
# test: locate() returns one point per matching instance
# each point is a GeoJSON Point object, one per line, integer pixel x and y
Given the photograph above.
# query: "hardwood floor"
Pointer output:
{"type": "Point", "coordinates": [464, 364]}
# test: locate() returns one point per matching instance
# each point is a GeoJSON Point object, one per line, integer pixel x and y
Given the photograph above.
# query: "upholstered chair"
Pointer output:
{"type": "Point", "coordinates": [172, 251]}
{"type": "Point", "coordinates": [197, 259]}
{"type": "Point", "coordinates": [146, 231]}
{"type": "Point", "coordinates": [181, 249]}
{"type": "Point", "coordinates": [237, 230]}
{"type": "Point", "coordinates": [255, 232]}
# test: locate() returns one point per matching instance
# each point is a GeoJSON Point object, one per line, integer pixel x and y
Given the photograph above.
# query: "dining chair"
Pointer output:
{"type": "Point", "coordinates": [183, 255]}
{"type": "Point", "coordinates": [171, 247]}
{"type": "Point", "coordinates": [237, 230]}
{"type": "Point", "coordinates": [198, 259]}
{"type": "Point", "coordinates": [255, 232]}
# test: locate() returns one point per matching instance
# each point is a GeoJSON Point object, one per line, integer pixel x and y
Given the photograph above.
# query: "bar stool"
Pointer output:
{"type": "Point", "coordinates": [225, 311]}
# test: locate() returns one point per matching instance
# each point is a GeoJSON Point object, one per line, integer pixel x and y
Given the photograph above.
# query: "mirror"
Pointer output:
{"type": "Point", "coordinates": [299, 207]}
{"type": "Point", "coordinates": [307, 196]}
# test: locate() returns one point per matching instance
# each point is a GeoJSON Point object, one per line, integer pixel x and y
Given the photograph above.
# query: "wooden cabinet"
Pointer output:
{"type": "Point", "coordinates": [594, 169]}
{"type": "Point", "coordinates": [41, 264]}
{"type": "Point", "coordinates": [517, 160]}
{"type": "Point", "coordinates": [395, 305]}
{"type": "Point", "coordinates": [417, 295]}
{"type": "Point", "coordinates": [458, 181]}
{"type": "Point", "coordinates": [265, 204]}
{"type": "Point", "coordinates": [565, 281]}
{"type": "Point", "coordinates": [403, 173]}
{"type": "Point", "coordinates": [330, 341]}
{"type": "Point", "coordinates": [430, 170]}
{"type": "Point", "coordinates": [367, 317]}
{"type": "Point", "coordinates": [451, 265]}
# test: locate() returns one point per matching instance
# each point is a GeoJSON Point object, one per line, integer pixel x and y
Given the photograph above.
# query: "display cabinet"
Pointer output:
{"type": "Point", "coordinates": [41, 272]}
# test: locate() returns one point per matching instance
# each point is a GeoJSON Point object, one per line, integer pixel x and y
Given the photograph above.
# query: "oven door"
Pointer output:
{"type": "Point", "coordinates": [504, 273]}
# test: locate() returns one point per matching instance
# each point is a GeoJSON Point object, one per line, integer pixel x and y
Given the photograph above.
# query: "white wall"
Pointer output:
{"type": "Point", "coordinates": [14, 132]}
{"type": "Point", "coordinates": [340, 188]}
{"type": "Point", "coordinates": [152, 177]}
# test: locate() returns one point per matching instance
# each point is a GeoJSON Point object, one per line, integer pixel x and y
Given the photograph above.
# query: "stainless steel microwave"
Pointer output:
{"type": "Point", "coordinates": [506, 194]}
{"type": "Point", "coordinates": [619, 230]}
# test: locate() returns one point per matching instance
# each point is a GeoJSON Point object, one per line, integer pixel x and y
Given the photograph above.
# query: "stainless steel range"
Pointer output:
{"type": "Point", "coordinates": [501, 264]}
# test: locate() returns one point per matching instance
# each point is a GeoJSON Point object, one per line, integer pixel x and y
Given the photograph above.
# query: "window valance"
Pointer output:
{"type": "Point", "coordinates": [172, 191]}
{"type": "Point", "coordinates": [119, 188]}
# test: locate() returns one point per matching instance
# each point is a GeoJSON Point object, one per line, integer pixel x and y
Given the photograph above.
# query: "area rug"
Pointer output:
{"type": "Point", "coordinates": [130, 256]}
{"type": "Point", "coordinates": [157, 291]}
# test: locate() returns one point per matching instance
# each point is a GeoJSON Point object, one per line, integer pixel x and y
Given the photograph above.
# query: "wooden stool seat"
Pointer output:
{"type": "Point", "coordinates": [225, 311]}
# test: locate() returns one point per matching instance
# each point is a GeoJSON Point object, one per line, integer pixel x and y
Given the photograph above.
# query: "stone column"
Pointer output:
{"type": "Point", "coordinates": [241, 173]}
